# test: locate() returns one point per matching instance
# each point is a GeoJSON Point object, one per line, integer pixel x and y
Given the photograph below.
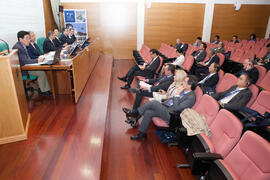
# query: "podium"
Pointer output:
{"type": "Point", "coordinates": [14, 113]}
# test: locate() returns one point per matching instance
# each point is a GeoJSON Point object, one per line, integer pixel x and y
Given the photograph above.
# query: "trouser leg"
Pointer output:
{"type": "Point", "coordinates": [42, 80]}
{"type": "Point", "coordinates": [139, 96]}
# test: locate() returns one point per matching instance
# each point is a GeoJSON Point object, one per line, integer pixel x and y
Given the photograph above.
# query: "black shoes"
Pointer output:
{"type": "Point", "coordinates": [140, 136]}
{"type": "Point", "coordinates": [127, 86]}
{"type": "Point", "coordinates": [47, 93]}
{"type": "Point", "coordinates": [122, 79]}
{"type": "Point", "coordinates": [131, 113]}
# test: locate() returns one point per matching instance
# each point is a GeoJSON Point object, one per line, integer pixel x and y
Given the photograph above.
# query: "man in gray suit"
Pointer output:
{"type": "Point", "coordinates": [200, 54]}
{"type": "Point", "coordinates": [237, 96]}
{"type": "Point", "coordinates": [24, 58]}
{"type": "Point", "coordinates": [185, 98]}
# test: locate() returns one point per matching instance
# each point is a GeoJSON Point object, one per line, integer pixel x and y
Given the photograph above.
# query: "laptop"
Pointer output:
{"type": "Point", "coordinates": [73, 48]}
{"type": "Point", "coordinates": [85, 43]}
{"type": "Point", "coordinates": [49, 60]}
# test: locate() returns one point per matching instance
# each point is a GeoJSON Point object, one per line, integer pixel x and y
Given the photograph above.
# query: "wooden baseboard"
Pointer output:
{"type": "Point", "coordinates": [19, 137]}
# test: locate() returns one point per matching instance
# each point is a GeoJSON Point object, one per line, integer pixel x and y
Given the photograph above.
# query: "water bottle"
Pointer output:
{"type": "Point", "coordinates": [65, 54]}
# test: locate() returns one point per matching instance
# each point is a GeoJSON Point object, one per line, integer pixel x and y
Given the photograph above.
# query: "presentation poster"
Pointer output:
{"type": "Point", "coordinates": [76, 18]}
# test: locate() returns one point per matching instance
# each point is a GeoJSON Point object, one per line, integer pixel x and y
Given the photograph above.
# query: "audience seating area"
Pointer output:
{"type": "Point", "coordinates": [235, 156]}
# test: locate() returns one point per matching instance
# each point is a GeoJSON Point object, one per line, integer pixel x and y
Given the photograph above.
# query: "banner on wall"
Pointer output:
{"type": "Point", "coordinates": [76, 18]}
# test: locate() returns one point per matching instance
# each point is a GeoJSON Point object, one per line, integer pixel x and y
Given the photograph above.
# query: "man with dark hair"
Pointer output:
{"type": "Point", "coordinates": [64, 37]}
{"type": "Point", "coordinates": [33, 49]}
{"type": "Point", "coordinates": [235, 39]}
{"type": "Point", "coordinates": [198, 42]}
{"type": "Point", "coordinates": [237, 96]}
{"type": "Point", "coordinates": [156, 84]}
{"type": "Point", "coordinates": [216, 40]}
{"type": "Point", "coordinates": [24, 58]}
{"type": "Point", "coordinates": [208, 82]}
{"type": "Point", "coordinates": [184, 98]}
{"type": "Point", "coordinates": [248, 67]}
{"type": "Point", "coordinates": [48, 44]}
{"type": "Point", "coordinates": [57, 42]}
{"type": "Point", "coordinates": [71, 36]}
{"type": "Point", "coordinates": [201, 68]}
{"type": "Point", "coordinates": [145, 70]}
{"type": "Point", "coordinates": [200, 54]}
{"type": "Point", "coordinates": [266, 59]}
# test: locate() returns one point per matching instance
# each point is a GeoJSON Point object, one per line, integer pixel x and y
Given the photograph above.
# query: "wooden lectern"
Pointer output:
{"type": "Point", "coordinates": [14, 113]}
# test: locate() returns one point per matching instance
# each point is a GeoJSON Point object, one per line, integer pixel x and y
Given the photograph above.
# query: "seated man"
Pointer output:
{"type": "Point", "coordinates": [200, 54]}
{"type": "Point", "coordinates": [64, 37]}
{"type": "Point", "coordinates": [220, 48]}
{"type": "Point", "coordinates": [198, 42]}
{"type": "Point", "coordinates": [252, 37]}
{"type": "Point", "coordinates": [71, 35]}
{"type": "Point", "coordinates": [177, 62]}
{"type": "Point", "coordinates": [208, 82]}
{"type": "Point", "coordinates": [237, 96]}
{"type": "Point", "coordinates": [33, 49]}
{"type": "Point", "coordinates": [235, 39]}
{"type": "Point", "coordinates": [216, 40]}
{"type": "Point", "coordinates": [180, 45]}
{"type": "Point", "coordinates": [57, 42]}
{"type": "Point", "coordinates": [201, 68]}
{"type": "Point", "coordinates": [185, 98]}
{"type": "Point", "coordinates": [145, 70]}
{"type": "Point", "coordinates": [248, 67]}
{"type": "Point", "coordinates": [48, 44]}
{"type": "Point", "coordinates": [24, 58]}
{"type": "Point", "coordinates": [157, 84]}
{"type": "Point", "coordinates": [266, 59]}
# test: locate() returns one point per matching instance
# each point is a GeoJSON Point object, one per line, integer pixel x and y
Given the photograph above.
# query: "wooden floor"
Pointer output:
{"type": "Point", "coordinates": [65, 140]}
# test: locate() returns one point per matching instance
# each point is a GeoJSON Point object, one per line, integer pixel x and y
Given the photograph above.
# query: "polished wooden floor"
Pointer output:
{"type": "Point", "coordinates": [89, 140]}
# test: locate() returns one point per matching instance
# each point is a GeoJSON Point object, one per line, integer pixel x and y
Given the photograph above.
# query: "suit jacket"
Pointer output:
{"type": "Point", "coordinates": [65, 39]}
{"type": "Point", "coordinates": [213, 59]}
{"type": "Point", "coordinates": [152, 66]}
{"type": "Point", "coordinates": [49, 46]}
{"type": "Point", "coordinates": [57, 42]}
{"type": "Point", "coordinates": [219, 50]}
{"type": "Point", "coordinates": [212, 81]}
{"type": "Point", "coordinates": [72, 39]}
{"type": "Point", "coordinates": [215, 42]}
{"type": "Point", "coordinates": [179, 104]}
{"type": "Point", "coordinates": [253, 73]}
{"type": "Point", "coordinates": [33, 51]}
{"type": "Point", "coordinates": [199, 57]}
{"type": "Point", "coordinates": [163, 84]}
{"type": "Point", "coordinates": [182, 46]}
{"type": "Point", "coordinates": [238, 101]}
{"type": "Point", "coordinates": [24, 58]}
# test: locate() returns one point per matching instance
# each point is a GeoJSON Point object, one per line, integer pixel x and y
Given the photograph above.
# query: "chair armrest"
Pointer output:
{"type": "Point", "coordinates": [202, 161]}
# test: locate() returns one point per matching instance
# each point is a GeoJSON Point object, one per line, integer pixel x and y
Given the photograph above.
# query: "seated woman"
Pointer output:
{"type": "Point", "coordinates": [179, 77]}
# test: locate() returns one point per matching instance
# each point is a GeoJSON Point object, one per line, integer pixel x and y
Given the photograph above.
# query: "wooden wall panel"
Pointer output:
{"type": "Point", "coordinates": [113, 25]}
{"type": "Point", "coordinates": [48, 16]}
{"type": "Point", "coordinates": [249, 19]}
{"type": "Point", "coordinates": [164, 22]}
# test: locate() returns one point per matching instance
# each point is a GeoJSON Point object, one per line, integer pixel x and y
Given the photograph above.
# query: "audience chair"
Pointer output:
{"type": "Point", "coordinates": [40, 42]}
{"type": "Point", "coordinates": [254, 90]}
{"type": "Point", "coordinates": [265, 82]}
{"type": "Point", "coordinates": [189, 60]}
{"type": "Point", "coordinates": [226, 82]}
{"type": "Point", "coordinates": [262, 71]}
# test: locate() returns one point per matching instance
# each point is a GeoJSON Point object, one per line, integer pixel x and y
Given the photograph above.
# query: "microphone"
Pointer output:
{"type": "Point", "coordinates": [5, 44]}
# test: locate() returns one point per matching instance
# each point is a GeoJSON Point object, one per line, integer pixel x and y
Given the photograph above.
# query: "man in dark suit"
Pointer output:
{"type": "Point", "coordinates": [248, 67]}
{"type": "Point", "coordinates": [185, 98]}
{"type": "Point", "coordinates": [216, 40]}
{"type": "Point", "coordinates": [180, 45]}
{"type": "Point", "coordinates": [235, 39]}
{"type": "Point", "coordinates": [56, 40]}
{"type": "Point", "coordinates": [198, 42]}
{"type": "Point", "coordinates": [201, 68]}
{"type": "Point", "coordinates": [48, 44]}
{"type": "Point", "coordinates": [71, 35]}
{"type": "Point", "coordinates": [200, 54]}
{"type": "Point", "coordinates": [237, 96]}
{"type": "Point", "coordinates": [145, 70]}
{"type": "Point", "coordinates": [64, 37]}
{"type": "Point", "coordinates": [266, 58]}
{"type": "Point", "coordinates": [33, 49]}
{"type": "Point", "coordinates": [208, 82]}
{"type": "Point", "coordinates": [157, 84]}
{"type": "Point", "coordinates": [24, 58]}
